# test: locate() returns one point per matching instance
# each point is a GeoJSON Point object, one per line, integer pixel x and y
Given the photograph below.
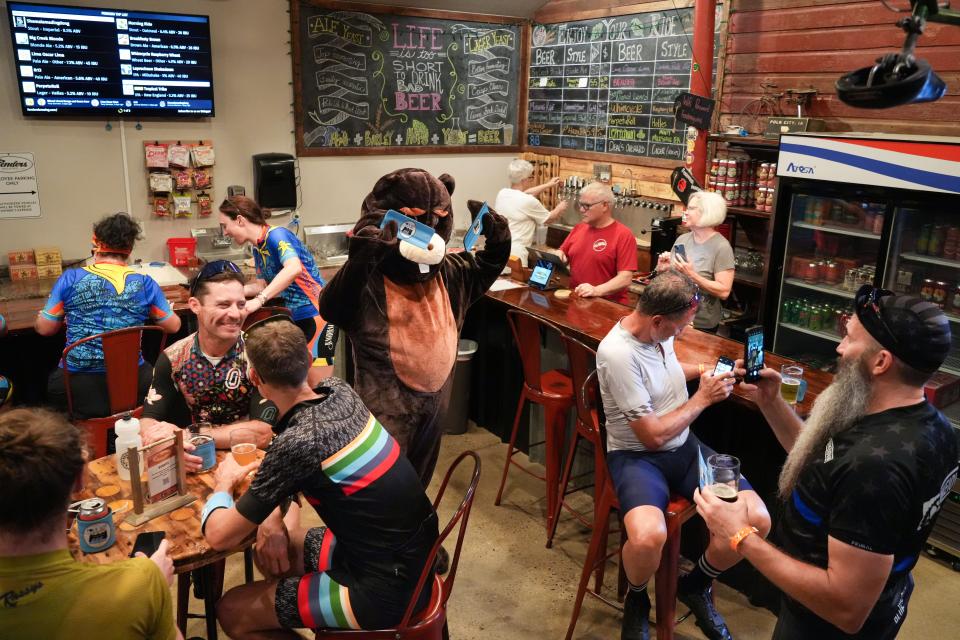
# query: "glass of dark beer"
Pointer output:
{"type": "Point", "coordinates": [726, 476]}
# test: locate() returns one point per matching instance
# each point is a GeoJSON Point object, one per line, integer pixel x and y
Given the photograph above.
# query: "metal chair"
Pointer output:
{"type": "Point", "coordinates": [553, 390]}
{"type": "Point", "coordinates": [678, 511]}
{"type": "Point", "coordinates": [121, 358]}
{"type": "Point", "coordinates": [431, 622]}
{"type": "Point", "coordinates": [582, 361]}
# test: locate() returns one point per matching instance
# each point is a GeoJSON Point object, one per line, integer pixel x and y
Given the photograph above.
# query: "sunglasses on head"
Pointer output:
{"type": "Point", "coordinates": [210, 270]}
{"type": "Point", "coordinates": [868, 301]}
{"type": "Point", "coordinates": [692, 302]}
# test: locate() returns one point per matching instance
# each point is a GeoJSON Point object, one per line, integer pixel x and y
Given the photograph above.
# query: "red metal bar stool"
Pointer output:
{"type": "Point", "coordinates": [678, 511]}
{"type": "Point", "coordinates": [553, 390]}
{"type": "Point", "coordinates": [582, 362]}
{"type": "Point", "coordinates": [121, 359]}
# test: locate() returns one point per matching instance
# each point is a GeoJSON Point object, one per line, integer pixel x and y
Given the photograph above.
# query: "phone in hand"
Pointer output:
{"type": "Point", "coordinates": [148, 542]}
{"type": "Point", "coordinates": [724, 364]}
{"type": "Point", "coordinates": [753, 353]}
{"type": "Point", "coordinates": [681, 251]}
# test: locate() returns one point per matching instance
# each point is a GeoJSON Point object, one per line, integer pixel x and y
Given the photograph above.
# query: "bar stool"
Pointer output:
{"type": "Point", "coordinates": [553, 390]}
{"type": "Point", "coordinates": [678, 511]}
{"type": "Point", "coordinates": [582, 361]}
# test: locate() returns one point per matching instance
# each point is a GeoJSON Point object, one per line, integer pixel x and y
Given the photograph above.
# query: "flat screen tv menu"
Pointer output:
{"type": "Point", "coordinates": [81, 61]}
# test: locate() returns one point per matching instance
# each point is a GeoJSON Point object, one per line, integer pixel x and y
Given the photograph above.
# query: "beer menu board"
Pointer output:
{"type": "Point", "coordinates": [609, 84]}
{"type": "Point", "coordinates": [390, 82]}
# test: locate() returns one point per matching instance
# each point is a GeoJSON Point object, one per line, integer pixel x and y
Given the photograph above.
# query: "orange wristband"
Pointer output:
{"type": "Point", "coordinates": [740, 536]}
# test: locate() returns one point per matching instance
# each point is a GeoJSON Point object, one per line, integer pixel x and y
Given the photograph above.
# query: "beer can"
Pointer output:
{"type": "Point", "coordinates": [926, 290]}
{"type": "Point", "coordinates": [207, 450]}
{"type": "Point", "coordinates": [95, 525]}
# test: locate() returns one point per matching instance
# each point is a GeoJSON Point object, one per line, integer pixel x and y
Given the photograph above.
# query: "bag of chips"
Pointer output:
{"type": "Point", "coordinates": [156, 155]}
{"type": "Point", "coordinates": [202, 155]}
{"type": "Point", "coordinates": [202, 178]}
{"type": "Point", "coordinates": [204, 204]}
{"type": "Point", "coordinates": [182, 180]}
{"type": "Point", "coordinates": [178, 156]}
{"type": "Point", "coordinates": [161, 182]}
{"type": "Point", "coordinates": [161, 207]}
{"type": "Point", "coordinates": [181, 206]}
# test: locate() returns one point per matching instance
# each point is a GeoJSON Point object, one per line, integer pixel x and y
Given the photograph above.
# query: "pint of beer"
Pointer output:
{"type": "Point", "coordinates": [725, 476]}
{"type": "Point", "coordinates": [791, 377]}
{"type": "Point", "coordinates": [243, 446]}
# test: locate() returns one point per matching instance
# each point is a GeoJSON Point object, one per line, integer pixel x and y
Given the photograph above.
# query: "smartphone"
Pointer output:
{"type": "Point", "coordinates": [542, 272]}
{"type": "Point", "coordinates": [724, 364]}
{"type": "Point", "coordinates": [476, 228]}
{"type": "Point", "coordinates": [753, 353]}
{"type": "Point", "coordinates": [681, 251]}
{"type": "Point", "coordinates": [408, 229]}
{"type": "Point", "coordinates": [148, 542]}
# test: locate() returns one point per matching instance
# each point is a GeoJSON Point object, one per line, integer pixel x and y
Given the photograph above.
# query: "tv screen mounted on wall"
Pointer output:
{"type": "Point", "coordinates": [78, 61]}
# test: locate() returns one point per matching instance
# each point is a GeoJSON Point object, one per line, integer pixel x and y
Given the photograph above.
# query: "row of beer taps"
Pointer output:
{"type": "Point", "coordinates": [571, 186]}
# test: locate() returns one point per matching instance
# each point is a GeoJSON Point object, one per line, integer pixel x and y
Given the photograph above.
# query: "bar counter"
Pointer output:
{"type": "Point", "coordinates": [590, 319]}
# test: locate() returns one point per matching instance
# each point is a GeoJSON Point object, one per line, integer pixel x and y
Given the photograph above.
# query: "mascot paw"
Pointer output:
{"type": "Point", "coordinates": [372, 242]}
{"type": "Point", "coordinates": [495, 226]}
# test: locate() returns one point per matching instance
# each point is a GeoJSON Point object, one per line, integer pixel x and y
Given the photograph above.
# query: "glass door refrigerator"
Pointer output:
{"type": "Point", "coordinates": [855, 209]}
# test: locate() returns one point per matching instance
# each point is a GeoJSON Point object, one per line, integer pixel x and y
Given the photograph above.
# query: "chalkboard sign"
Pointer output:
{"type": "Point", "coordinates": [608, 85]}
{"type": "Point", "coordinates": [379, 79]}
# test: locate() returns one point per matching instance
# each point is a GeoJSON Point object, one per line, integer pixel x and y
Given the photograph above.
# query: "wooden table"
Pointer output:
{"type": "Point", "coordinates": [590, 319]}
{"type": "Point", "coordinates": [188, 549]}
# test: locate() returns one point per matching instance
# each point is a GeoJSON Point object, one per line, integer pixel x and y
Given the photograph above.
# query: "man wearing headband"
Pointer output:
{"type": "Point", "coordinates": [203, 377]}
{"type": "Point", "coordinates": [653, 454]}
{"type": "Point", "coordinates": [864, 479]}
{"type": "Point", "coordinates": [103, 296]}
{"type": "Point", "coordinates": [358, 571]}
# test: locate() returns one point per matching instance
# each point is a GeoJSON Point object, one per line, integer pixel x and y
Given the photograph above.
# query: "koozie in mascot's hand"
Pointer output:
{"type": "Point", "coordinates": [476, 228]}
{"type": "Point", "coordinates": [402, 302]}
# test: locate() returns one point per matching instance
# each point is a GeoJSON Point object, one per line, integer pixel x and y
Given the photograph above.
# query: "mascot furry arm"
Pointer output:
{"type": "Point", "coordinates": [402, 306]}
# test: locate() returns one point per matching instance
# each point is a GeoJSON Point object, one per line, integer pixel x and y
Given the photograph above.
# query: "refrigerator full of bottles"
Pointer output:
{"type": "Point", "coordinates": [855, 209]}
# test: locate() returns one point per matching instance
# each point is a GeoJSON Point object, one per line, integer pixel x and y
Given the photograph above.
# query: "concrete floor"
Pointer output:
{"type": "Point", "coordinates": [510, 586]}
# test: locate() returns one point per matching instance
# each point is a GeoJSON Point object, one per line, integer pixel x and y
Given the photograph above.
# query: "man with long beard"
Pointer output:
{"type": "Point", "coordinates": [864, 478]}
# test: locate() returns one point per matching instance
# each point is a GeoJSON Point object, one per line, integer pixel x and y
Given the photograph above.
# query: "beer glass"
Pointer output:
{"type": "Point", "coordinates": [791, 377]}
{"type": "Point", "coordinates": [726, 476]}
{"type": "Point", "coordinates": [243, 446]}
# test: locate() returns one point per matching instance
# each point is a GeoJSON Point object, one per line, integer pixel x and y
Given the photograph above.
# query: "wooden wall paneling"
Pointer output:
{"type": "Point", "coordinates": [811, 43]}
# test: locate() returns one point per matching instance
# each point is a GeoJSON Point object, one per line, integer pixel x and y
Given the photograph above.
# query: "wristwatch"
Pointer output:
{"type": "Point", "coordinates": [740, 536]}
{"type": "Point", "coordinates": [261, 297]}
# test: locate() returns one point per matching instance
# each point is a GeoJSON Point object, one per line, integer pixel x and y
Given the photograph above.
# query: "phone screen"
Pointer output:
{"type": "Point", "coordinates": [541, 274]}
{"type": "Point", "coordinates": [681, 251]}
{"type": "Point", "coordinates": [723, 366]}
{"type": "Point", "coordinates": [754, 353]}
{"type": "Point", "coordinates": [148, 542]}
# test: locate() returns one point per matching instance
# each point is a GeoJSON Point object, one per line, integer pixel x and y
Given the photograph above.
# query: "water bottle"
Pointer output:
{"type": "Point", "coordinates": [128, 435]}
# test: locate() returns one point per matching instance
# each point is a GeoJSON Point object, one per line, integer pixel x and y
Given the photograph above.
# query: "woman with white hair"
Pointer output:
{"type": "Point", "coordinates": [519, 205]}
{"type": "Point", "coordinates": [708, 257]}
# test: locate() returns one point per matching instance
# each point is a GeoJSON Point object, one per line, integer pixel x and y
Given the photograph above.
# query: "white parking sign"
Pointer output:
{"type": "Point", "coordinates": [19, 192]}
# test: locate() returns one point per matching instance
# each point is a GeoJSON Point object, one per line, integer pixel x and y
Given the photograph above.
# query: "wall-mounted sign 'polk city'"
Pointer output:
{"type": "Point", "coordinates": [19, 193]}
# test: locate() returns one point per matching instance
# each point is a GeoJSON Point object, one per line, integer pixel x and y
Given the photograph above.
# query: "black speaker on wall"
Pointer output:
{"type": "Point", "coordinates": [274, 180]}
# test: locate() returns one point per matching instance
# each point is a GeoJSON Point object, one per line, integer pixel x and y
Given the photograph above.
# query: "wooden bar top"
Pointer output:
{"type": "Point", "coordinates": [188, 548]}
{"type": "Point", "coordinates": [590, 319]}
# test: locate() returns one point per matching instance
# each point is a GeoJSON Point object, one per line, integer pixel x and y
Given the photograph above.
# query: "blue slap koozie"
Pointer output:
{"type": "Point", "coordinates": [706, 475]}
{"type": "Point", "coordinates": [408, 229]}
{"type": "Point", "coordinates": [476, 227]}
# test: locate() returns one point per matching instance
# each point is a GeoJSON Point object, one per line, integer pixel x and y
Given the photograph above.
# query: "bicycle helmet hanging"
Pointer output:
{"type": "Point", "coordinates": [898, 78]}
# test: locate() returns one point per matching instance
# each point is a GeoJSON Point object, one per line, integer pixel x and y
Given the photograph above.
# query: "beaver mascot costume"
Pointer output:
{"type": "Point", "coordinates": [403, 305]}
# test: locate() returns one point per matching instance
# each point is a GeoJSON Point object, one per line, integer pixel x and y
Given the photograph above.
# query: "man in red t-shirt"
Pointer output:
{"type": "Point", "coordinates": [601, 252]}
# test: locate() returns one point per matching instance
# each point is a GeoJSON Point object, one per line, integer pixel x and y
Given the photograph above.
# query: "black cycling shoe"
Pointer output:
{"type": "Point", "coordinates": [636, 616]}
{"type": "Point", "coordinates": [707, 617]}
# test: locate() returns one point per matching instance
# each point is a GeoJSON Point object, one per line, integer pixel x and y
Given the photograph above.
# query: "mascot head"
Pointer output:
{"type": "Point", "coordinates": [426, 199]}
